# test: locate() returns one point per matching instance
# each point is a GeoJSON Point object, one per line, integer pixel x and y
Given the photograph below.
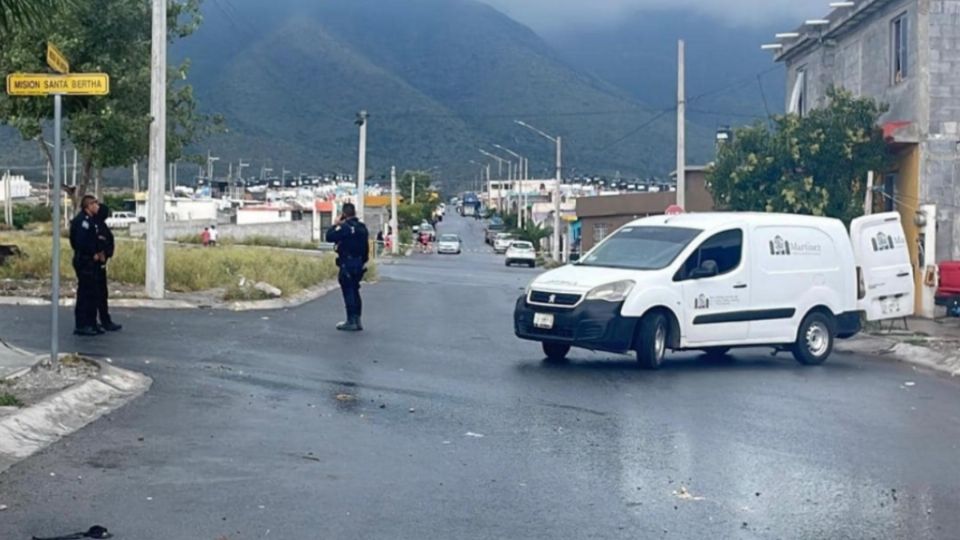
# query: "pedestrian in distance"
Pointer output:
{"type": "Point", "coordinates": [353, 251]}
{"type": "Point", "coordinates": [106, 246]}
{"type": "Point", "coordinates": [87, 261]}
{"type": "Point", "coordinates": [214, 235]}
{"type": "Point", "coordinates": [205, 237]}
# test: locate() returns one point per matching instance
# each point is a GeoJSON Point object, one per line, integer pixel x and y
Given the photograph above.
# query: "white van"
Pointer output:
{"type": "Point", "coordinates": [716, 281]}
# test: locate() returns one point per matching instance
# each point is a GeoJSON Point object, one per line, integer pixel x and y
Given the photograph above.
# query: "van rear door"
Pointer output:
{"type": "Point", "coordinates": [885, 288]}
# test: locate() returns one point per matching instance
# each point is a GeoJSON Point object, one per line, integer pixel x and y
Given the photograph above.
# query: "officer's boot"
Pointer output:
{"type": "Point", "coordinates": [350, 325]}
{"type": "Point", "coordinates": [356, 321]}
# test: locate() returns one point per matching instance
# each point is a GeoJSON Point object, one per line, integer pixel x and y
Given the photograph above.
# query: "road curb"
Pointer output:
{"type": "Point", "coordinates": [903, 352]}
{"type": "Point", "coordinates": [299, 299]}
{"type": "Point", "coordinates": [31, 429]}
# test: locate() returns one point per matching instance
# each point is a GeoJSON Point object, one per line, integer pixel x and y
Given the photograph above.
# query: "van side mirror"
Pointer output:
{"type": "Point", "coordinates": [707, 269]}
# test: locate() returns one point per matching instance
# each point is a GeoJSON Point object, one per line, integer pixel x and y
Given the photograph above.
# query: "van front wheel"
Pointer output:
{"type": "Point", "coordinates": [651, 340]}
{"type": "Point", "coordinates": [815, 339]}
{"type": "Point", "coordinates": [555, 352]}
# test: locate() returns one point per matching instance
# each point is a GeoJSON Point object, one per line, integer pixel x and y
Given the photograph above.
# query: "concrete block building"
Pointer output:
{"type": "Point", "coordinates": [905, 53]}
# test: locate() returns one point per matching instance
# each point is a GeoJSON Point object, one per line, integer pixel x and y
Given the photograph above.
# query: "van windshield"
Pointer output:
{"type": "Point", "coordinates": [641, 248]}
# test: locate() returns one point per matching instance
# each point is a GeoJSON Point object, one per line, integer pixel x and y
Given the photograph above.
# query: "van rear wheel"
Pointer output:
{"type": "Point", "coordinates": [556, 352]}
{"type": "Point", "coordinates": [814, 339]}
{"type": "Point", "coordinates": [651, 340]}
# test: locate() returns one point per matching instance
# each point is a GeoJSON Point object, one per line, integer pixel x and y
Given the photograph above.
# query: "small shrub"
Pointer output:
{"type": "Point", "coordinates": [9, 400]}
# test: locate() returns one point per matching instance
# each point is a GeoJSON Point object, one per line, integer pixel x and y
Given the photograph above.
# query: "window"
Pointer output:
{"type": "Point", "coordinates": [798, 99]}
{"type": "Point", "coordinates": [641, 248]}
{"type": "Point", "coordinates": [724, 248]}
{"type": "Point", "coordinates": [600, 231]}
{"type": "Point", "coordinates": [898, 48]}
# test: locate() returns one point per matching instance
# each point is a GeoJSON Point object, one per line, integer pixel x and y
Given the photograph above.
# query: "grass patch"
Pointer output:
{"type": "Point", "coordinates": [9, 400]}
{"type": "Point", "coordinates": [187, 269]}
{"type": "Point", "coordinates": [264, 241]}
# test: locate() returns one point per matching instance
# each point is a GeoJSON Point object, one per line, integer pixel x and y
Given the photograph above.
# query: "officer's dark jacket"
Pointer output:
{"type": "Point", "coordinates": [83, 240]}
{"type": "Point", "coordinates": [105, 235]}
{"type": "Point", "coordinates": [351, 238]}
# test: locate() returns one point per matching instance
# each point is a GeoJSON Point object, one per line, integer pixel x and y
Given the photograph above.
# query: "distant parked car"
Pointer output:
{"type": "Point", "coordinates": [121, 220]}
{"type": "Point", "coordinates": [449, 243]}
{"type": "Point", "coordinates": [502, 242]}
{"type": "Point", "coordinates": [521, 252]}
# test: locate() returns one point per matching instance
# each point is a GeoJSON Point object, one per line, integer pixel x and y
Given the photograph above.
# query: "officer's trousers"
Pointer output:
{"type": "Point", "coordinates": [85, 311]}
{"type": "Point", "coordinates": [349, 278]}
{"type": "Point", "coordinates": [103, 308]}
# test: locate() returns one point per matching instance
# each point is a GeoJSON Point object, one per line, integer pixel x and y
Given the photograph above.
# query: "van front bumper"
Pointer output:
{"type": "Point", "coordinates": [594, 325]}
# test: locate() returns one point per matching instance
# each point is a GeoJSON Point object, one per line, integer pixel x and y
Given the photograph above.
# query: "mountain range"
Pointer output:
{"type": "Point", "coordinates": [441, 78]}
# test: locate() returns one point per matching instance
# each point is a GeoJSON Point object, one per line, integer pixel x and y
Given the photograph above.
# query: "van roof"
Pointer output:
{"type": "Point", "coordinates": [712, 220]}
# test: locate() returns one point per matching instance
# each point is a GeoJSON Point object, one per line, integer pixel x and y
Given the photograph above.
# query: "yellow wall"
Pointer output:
{"type": "Point", "coordinates": [908, 191]}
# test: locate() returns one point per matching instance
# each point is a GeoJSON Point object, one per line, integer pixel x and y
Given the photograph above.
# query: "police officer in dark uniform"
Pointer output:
{"type": "Point", "coordinates": [353, 250]}
{"type": "Point", "coordinates": [105, 245]}
{"type": "Point", "coordinates": [87, 259]}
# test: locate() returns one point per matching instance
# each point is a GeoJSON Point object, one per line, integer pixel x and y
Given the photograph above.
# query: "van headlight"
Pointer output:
{"type": "Point", "coordinates": [612, 292]}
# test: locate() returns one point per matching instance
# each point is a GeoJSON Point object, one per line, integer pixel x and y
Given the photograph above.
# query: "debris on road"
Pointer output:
{"type": "Point", "coordinates": [909, 383]}
{"type": "Point", "coordinates": [472, 434]}
{"type": "Point", "coordinates": [345, 397]}
{"type": "Point", "coordinates": [93, 532]}
{"type": "Point", "coordinates": [685, 495]}
{"type": "Point", "coordinates": [268, 289]}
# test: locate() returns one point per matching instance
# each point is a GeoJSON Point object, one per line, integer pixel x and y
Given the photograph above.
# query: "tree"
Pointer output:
{"type": "Point", "coordinates": [111, 36]}
{"type": "Point", "coordinates": [816, 164]}
{"type": "Point", "coordinates": [22, 13]}
{"type": "Point", "coordinates": [422, 192]}
{"type": "Point", "coordinates": [533, 233]}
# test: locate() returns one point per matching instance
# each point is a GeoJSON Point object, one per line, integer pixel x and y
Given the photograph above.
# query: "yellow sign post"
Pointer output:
{"type": "Point", "coordinates": [56, 60]}
{"type": "Point", "coordinates": [40, 84]}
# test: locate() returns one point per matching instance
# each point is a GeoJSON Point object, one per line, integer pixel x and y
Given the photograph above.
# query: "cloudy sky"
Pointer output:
{"type": "Point", "coordinates": [547, 15]}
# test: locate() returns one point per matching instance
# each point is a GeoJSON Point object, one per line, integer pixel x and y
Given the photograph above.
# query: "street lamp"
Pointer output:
{"type": "Point", "coordinates": [500, 161]}
{"type": "Point", "coordinates": [556, 194]}
{"type": "Point", "coordinates": [521, 175]}
{"type": "Point", "coordinates": [361, 121]}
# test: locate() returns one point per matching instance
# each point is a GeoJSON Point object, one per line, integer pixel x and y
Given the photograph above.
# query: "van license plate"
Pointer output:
{"type": "Point", "coordinates": [543, 321]}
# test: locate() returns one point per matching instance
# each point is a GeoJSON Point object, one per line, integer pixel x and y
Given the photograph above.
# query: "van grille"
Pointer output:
{"type": "Point", "coordinates": [554, 299]}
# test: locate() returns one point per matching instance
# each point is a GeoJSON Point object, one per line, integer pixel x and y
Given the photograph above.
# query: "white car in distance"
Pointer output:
{"type": "Point", "coordinates": [501, 242]}
{"type": "Point", "coordinates": [521, 252]}
{"type": "Point", "coordinates": [449, 243]}
{"type": "Point", "coordinates": [121, 220]}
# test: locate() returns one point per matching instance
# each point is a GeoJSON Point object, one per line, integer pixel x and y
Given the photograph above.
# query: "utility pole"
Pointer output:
{"type": "Point", "coordinates": [74, 184]}
{"type": "Point", "coordinates": [394, 231]}
{"type": "Point", "coordinates": [556, 192]}
{"type": "Point", "coordinates": [210, 160]}
{"type": "Point", "coordinates": [362, 163]}
{"type": "Point", "coordinates": [556, 204]}
{"type": "Point", "coordinates": [158, 152]}
{"type": "Point", "coordinates": [136, 177]}
{"type": "Point", "coordinates": [868, 202]}
{"type": "Point", "coordinates": [7, 199]}
{"type": "Point", "coordinates": [681, 127]}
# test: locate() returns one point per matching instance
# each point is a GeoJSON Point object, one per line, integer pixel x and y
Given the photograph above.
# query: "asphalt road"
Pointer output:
{"type": "Point", "coordinates": [446, 426]}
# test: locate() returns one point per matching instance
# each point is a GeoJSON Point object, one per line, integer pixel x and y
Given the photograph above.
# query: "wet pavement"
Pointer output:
{"type": "Point", "coordinates": [437, 423]}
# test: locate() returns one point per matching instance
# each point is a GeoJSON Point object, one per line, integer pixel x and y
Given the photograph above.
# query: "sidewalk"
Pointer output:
{"type": "Point", "coordinates": [14, 362]}
{"type": "Point", "coordinates": [60, 401]}
{"type": "Point", "coordinates": [933, 344]}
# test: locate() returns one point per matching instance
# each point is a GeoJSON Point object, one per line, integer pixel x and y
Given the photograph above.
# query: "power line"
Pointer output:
{"type": "Point", "coordinates": [736, 85]}
{"type": "Point", "coordinates": [638, 129]}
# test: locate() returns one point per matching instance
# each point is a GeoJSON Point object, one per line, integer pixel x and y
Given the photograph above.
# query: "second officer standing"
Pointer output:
{"type": "Point", "coordinates": [353, 251]}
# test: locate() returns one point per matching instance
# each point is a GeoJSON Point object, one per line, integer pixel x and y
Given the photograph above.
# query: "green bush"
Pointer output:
{"type": "Point", "coordinates": [24, 214]}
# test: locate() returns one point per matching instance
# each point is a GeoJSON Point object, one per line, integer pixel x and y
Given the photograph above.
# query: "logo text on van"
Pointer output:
{"type": "Point", "coordinates": [782, 247]}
